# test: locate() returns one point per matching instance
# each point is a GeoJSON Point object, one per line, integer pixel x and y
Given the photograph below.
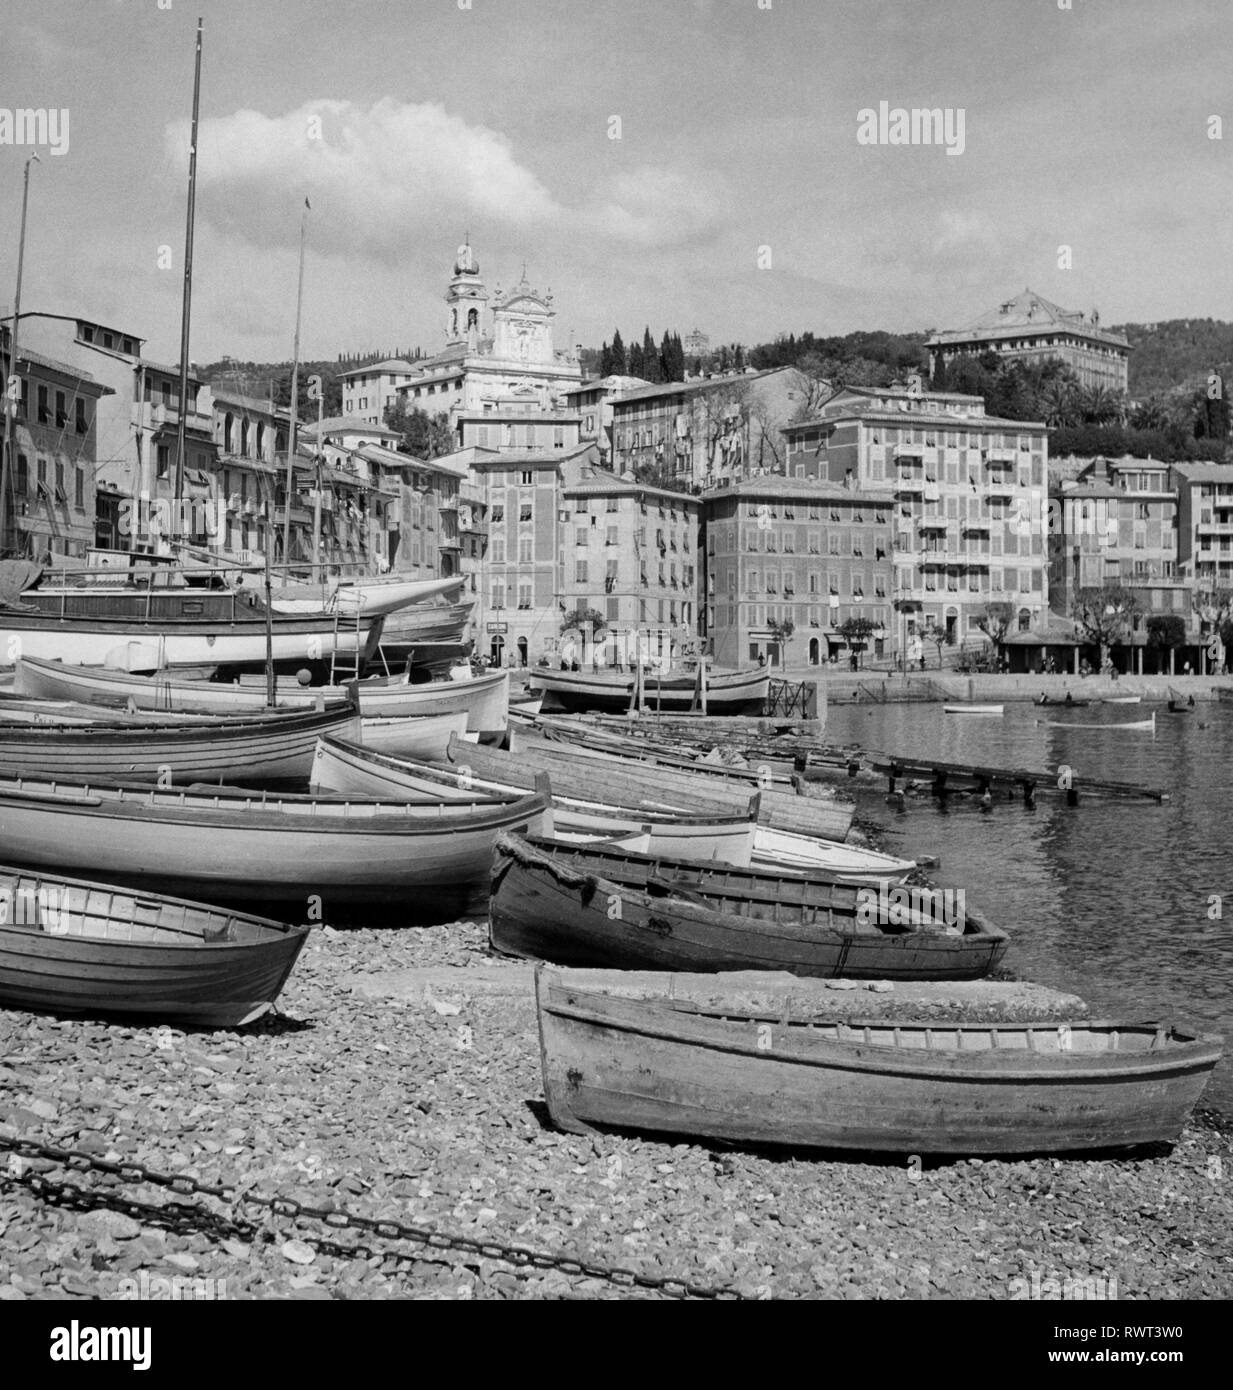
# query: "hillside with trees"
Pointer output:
{"type": "Point", "coordinates": [1177, 353]}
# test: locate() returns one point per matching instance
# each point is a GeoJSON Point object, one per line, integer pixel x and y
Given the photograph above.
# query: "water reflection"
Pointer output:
{"type": "Point", "coordinates": [1109, 899]}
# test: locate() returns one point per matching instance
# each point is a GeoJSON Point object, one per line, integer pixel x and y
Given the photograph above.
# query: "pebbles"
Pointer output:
{"type": "Point", "coordinates": [369, 1097]}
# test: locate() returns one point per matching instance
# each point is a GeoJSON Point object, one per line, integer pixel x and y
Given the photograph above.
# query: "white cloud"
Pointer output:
{"type": "Point", "coordinates": [660, 206]}
{"type": "Point", "coordinates": [379, 179]}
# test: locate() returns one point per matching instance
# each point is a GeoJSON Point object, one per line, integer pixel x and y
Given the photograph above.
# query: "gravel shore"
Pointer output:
{"type": "Point", "coordinates": [424, 1104]}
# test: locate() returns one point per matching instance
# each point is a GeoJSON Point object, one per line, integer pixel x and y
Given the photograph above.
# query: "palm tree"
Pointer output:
{"type": "Point", "coordinates": [1151, 414]}
{"type": "Point", "coordinates": [1059, 404]}
{"type": "Point", "coordinates": [1099, 405]}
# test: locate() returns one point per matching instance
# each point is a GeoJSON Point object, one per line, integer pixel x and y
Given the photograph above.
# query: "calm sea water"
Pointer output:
{"type": "Point", "coordinates": [1113, 901]}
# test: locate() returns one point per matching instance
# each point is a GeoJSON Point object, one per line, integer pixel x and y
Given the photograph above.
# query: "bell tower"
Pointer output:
{"type": "Point", "coordinates": [466, 299]}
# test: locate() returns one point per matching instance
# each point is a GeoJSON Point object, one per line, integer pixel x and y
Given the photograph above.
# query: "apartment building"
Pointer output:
{"type": "Point", "coordinates": [970, 500]}
{"type": "Point", "coordinates": [804, 550]}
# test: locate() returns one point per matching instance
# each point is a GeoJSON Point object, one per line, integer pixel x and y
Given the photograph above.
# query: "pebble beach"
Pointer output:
{"type": "Point", "coordinates": [401, 1081]}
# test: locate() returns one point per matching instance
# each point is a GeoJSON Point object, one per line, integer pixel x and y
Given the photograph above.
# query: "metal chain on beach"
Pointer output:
{"type": "Point", "coordinates": [519, 1256]}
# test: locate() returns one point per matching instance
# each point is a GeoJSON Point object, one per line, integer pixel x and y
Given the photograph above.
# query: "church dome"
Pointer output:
{"type": "Point", "coordinates": [465, 262]}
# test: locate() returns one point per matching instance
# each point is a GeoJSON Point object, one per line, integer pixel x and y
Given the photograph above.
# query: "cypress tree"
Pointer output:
{"type": "Point", "coordinates": [620, 363]}
{"type": "Point", "coordinates": [650, 356]}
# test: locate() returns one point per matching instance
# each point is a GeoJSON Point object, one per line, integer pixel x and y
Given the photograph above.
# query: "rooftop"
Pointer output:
{"type": "Point", "coordinates": [1030, 314]}
{"type": "Point", "coordinates": [713, 383]}
{"type": "Point", "coordinates": [598, 482]}
{"type": "Point", "coordinates": [388, 364]}
{"type": "Point", "coordinates": [804, 489]}
{"type": "Point", "coordinates": [347, 424]}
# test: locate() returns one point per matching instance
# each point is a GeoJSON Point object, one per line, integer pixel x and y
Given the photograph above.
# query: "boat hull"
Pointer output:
{"type": "Point", "coordinates": [343, 769]}
{"type": "Point", "coordinates": [232, 846]}
{"type": "Point", "coordinates": [265, 748]}
{"type": "Point", "coordinates": [729, 692]}
{"type": "Point", "coordinates": [484, 699]}
{"type": "Point", "coordinates": [563, 907]}
{"type": "Point", "coordinates": [73, 947]}
{"type": "Point", "coordinates": [649, 1066]}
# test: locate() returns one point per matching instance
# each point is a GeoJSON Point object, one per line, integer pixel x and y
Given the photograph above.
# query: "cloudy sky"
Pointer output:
{"type": "Point", "coordinates": [408, 122]}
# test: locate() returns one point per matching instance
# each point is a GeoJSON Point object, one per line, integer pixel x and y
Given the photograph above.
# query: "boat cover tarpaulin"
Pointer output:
{"type": "Point", "coordinates": [16, 576]}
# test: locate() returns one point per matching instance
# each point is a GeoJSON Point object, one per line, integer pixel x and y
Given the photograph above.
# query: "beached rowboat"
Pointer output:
{"type": "Point", "coordinates": [276, 746]}
{"type": "Point", "coordinates": [632, 783]}
{"type": "Point", "coordinates": [727, 692]}
{"type": "Point", "coordinates": [598, 905]}
{"type": "Point", "coordinates": [485, 699]}
{"type": "Point", "coordinates": [69, 946]}
{"type": "Point", "coordinates": [660, 1065]}
{"type": "Point", "coordinates": [236, 846]}
{"type": "Point", "coordinates": [341, 768]}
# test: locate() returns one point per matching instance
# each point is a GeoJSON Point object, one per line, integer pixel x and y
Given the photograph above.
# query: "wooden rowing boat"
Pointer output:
{"type": "Point", "coordinates": [777, 849]}
{"type": "Point", "coordinates": [1120, 700]}
{"type": "Point", "coordinates": [727, 692]}
{"type": "Point", "coordinates": [603, 906]}
{"type": "Point", "coordinates": [276, 746]}
{"type": "Point", "coordinates": [634, 783]}
{"type": "Point", "coordinates": [1103, 728]}
{"type": "Point", "coordinates": [663, 1065]}
{"type": "Point", "coordinates": [1066, 703]}
{"type": "Point", "coordinates": [412, 735]}
{"type": "Point", "coordinates": [69, 946]}
{"type": "Point", "coordinates": [343, 768]}
{"type": "Point", "coordinates": [484, 699]}
{"type": "Point", "coordinates": [232, 845]}
{"type": "Point", "coordinates": [972, 709]}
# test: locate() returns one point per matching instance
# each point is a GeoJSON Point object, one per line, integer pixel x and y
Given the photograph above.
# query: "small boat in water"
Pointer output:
{"type": "Point", "coordinates": [69, 946]}
{"type": "Point", "coordinates": [615, 1055]}
{"type": "Point", "coordinates": [1120, 700]}
{"type": "Point", "coordinates": [1133, 724]}
{"type": "Point", "coordinates": [1067, 702]}
{"type": "Point", "coordinates": [972, 709]}
{"type": "Point", "coordinates": [605, 905]}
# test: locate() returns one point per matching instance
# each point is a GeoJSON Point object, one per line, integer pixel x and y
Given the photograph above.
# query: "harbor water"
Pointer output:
{"type": "Point", "coordinates": [1128, 904]}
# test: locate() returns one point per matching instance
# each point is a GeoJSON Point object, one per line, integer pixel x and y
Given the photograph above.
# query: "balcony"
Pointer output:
{"type": "Point", "coordinates": [909, 451]}
{"type": "Point", "coordinates": [1000, 487]}
{"type": "Point", "coordinates": [1000, 458]}
{"type": "Point", "coordinates": [906, 483]}
{"type": "Point", "coordinates": [933, 523]}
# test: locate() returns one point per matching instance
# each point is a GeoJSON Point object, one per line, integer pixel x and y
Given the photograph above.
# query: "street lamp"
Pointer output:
{"type": "Point", "coordinates": [12, 401]}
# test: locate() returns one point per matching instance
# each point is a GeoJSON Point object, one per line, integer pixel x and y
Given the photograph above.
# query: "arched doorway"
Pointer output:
{"type": "Point", "coordinates": [813, 651]}
{"type": "Point", "coordinates": [522, 651]}
{"type": "Point", "coordinates": [952, 622]}
{"type": "Point", "coordinates": [496, 652]}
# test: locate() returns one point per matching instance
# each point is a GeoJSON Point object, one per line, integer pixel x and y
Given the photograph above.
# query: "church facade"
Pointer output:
{"type": "Point", "coordinates": [499, 357]}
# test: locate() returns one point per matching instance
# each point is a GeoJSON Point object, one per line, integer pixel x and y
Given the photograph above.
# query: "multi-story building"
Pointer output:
{"type": "Point", "coordinates": [970, 497]}
{"type": "Point", "coordinates": [136, 427]}
{"type": "Point", "coordinates": [472, 511]}
{"type": "Point", "coordinates": [1205, 525]}
{"type": "Point", "coordinates": [809, 551]}
{"type": "Point", "coordinates": [1117, 523]}
{"type": "Point", "coordinates": [1031, 328]}
{"type": "Point", "coordinates": [521, 605]}
{"type": "Point", "coordinates": [513, 430]}
{"type": "Point", "coordinates": [716, 427]}
{"type": "Point", "coordinates": [592, 400]}
{"type": "Point", "coordinates": [629, 552]}
{"type": "Point", "coordinates": [499, 351]}
{"type": "Point", "coordinates": [367, 392]}
{"type": "Point", "coordinates": [50, 508]}
{"type": "Point", "coordinates": [697, 346]}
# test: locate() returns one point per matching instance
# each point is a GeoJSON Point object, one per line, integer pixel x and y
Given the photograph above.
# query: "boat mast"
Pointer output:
{"type": "Point", "coordinates": [12, 402]}
{"type": "Point", "coordinates": [295, 387]}
{"type": "Point", "coordinates": [186, 309]}
{"type": "Point", "coordinates": [269, 612]}
{"type": "Point", "coordinates": [316, 569]}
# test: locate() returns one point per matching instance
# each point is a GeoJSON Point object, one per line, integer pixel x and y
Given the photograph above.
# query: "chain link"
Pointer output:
{"type": "Point", "coordinates": [519, 1256]}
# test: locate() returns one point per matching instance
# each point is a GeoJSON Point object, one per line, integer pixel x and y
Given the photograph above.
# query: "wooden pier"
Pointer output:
{"type": "Point", "coordinates": [968, 778]}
